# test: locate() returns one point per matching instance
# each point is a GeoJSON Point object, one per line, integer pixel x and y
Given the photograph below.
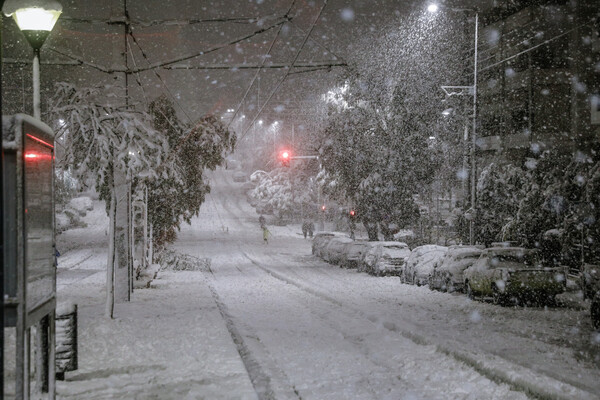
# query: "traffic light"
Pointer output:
{"type": "Point", "coordinates": [285, 157]}
{"type": "Point", "coordinates": [323, 208]}
{"type": "Point", "coordinates": [352, 214]}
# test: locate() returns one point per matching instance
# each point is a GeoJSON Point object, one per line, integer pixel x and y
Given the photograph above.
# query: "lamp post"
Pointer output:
{"type": "Point", "coordinates": [434, 8]}
{"type": "Point", "coordinates": [35, 20]}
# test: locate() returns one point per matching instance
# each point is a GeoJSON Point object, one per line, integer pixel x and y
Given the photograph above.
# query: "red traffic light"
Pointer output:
{"type": "Point", "coordinates": [285, 156]}
{"type": "Point", "coordinates": [352, 213]}
{"type": "Point", "coordinates": [323, 207]}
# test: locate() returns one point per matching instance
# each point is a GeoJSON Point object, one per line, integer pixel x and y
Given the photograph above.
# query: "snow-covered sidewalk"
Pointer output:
{"type": "Point", "coordinates": [169, 342]}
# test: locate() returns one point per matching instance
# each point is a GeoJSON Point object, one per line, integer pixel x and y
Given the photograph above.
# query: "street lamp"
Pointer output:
{"type": "Point", "coordinates": [35, 19]}
{"type": "Point", "coordinates": [434, 8]}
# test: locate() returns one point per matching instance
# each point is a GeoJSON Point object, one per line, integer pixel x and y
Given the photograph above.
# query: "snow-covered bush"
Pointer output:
{"type": "Point", "coordinates": [174, 261]}
{"type": "Point", "coordinates": [500, 189]}
{"type": "Point", "coordinates": [81, 205]}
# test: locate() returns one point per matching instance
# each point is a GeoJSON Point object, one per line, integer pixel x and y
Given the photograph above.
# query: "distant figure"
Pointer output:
{"type": "Point", "coordinates": [305, 228]}
{"type": "Point", "coordinates": [308, 227]}
{"type": "Point", "coordinates": [266, 234]}
{"type": "Point", "coordinates": [262, 221]}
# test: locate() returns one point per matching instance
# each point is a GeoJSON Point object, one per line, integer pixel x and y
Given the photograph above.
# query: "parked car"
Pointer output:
{"type": "Point", "coordinates": [353, 253]}
{"type": "Point", "coordinates": [448, 276]}
{"type": "Point", "coordinates": [515, 274]}
{"type": "Point", "coordinates": [334, 250]}
{"type": "Point", "coordinates": [425, 267]}
{"type": "Point", "coordinates": [239, 176]}
{"type": "Point", "coordinates": [386, 258]}
{"type": "Point", "coordinates": [422, 258]}
{"type": "Point", "coordinates": [320, 240]}
{"type": "Point", "coordinates": [589, 280]}
{"type": "Point", "coordinates": [362, 262]}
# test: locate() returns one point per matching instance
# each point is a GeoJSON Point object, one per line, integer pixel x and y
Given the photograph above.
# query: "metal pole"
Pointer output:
{"type": "Point", "coordinates": [37, 113]}
{"type": "Point", "coordinates": [474, 133]}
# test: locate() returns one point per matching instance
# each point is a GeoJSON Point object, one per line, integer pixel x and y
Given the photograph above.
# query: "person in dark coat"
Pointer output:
{"type": "Point", "coordinates": [305, 228]}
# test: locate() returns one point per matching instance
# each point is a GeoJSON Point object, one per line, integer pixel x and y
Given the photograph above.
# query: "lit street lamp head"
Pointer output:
{"type": "Point", "coordinates": [35, 18]}
{"type": "Point", "coordinates": [432, 8]}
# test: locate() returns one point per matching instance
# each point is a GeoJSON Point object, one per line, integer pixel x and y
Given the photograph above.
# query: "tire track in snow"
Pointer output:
{"type": "Point", "coordinates": [261, 381]}
{"type": "Point", "coordinates": [494, 367]}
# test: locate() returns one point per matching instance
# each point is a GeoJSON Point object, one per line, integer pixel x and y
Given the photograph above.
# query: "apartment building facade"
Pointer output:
{"type": "Point", "coordinates": [539, 78]}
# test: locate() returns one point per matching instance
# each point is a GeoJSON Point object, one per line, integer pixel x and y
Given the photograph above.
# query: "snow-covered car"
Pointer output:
{"type": "Point", "coordinates": [448, 276]}
{"type": "Point", "coordinates": [320, 241]}
{"type": "Point", "coordinates": [421, 262]}
{"type": "Point", "coordinates": [335, 249]}
{"type": "Point", "coordinates": [386, 258]}
{"type": "Point", "coordinates": [515, 274]}
{"type": "Point", "coordinates": [425, 267]}
{"type": "Point", "coordinates": [362, 262]}
{"type": "Point", "coordinates": [353, 253]}
{"type": "Point", "coordinates": [239, 176]}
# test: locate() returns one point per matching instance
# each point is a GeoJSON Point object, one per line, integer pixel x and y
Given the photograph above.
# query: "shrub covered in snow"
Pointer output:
{"type": "Point", "coordinates": [174, 261]}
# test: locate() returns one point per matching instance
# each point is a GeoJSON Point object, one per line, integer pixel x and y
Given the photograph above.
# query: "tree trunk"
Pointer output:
{"type": "Point", "coordinates": [110, 264]}
{"type": "Point", "coordinates": [121, 239]}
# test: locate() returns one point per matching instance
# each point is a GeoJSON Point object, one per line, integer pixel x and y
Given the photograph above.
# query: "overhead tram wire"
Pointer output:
{"type": "Point", "coordinates": [287, 72]}
{"type": "Point", "coordinates": [260, 67]}
{"type": "Point", "coordinates": [170, 62]}
{"type": "Point", "coordinates": [178, 22]}
{"type": "Point", "coordinates": [218, 47]}
{"type": "Point", "coordinates": [173, 97]}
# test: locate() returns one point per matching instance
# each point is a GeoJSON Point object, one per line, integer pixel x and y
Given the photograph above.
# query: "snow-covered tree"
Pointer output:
{"type": "Point", "coordinates": [110, 145]}
{"type": "Point", "coordinates": [176, 194]}
{"type": "Point", "coordinates": [377, 142]}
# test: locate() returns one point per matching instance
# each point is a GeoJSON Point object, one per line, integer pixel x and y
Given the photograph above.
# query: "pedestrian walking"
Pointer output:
{"type": "Point", "coordinates": [305, 226]}
{"type": "Point", "coordinates": [262, 221]}
{"type": "Point", "coordinates": [311, 228]}
{"type": "Point", "coordinates": [266, 234]}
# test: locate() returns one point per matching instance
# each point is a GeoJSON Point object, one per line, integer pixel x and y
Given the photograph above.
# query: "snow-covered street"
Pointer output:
{"type": "Point", "coordinates": [274, 322]}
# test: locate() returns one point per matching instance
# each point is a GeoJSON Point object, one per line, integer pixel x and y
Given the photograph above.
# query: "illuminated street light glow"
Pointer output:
{"type": "Point", "coordinates": [432, 8]}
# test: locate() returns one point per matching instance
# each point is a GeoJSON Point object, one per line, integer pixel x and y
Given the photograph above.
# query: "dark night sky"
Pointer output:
{"type": "Point", "coordinates": [83, 34]}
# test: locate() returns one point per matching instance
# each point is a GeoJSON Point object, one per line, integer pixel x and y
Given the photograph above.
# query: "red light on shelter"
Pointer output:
{"type": "Point", "coordinates": [32, 155]}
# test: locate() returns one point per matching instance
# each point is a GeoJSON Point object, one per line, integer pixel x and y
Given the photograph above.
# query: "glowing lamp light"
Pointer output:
{"type": "Point", "coordinates": [323, 207]}
{"type": "Point", "coordinates": [432, 8]}
{"type": "Point", "coordinates": [352, 213]}
{"type": "Point", "coordinates": [285, 155]}
{"type": "Point", "coordinates": [31, 155]}
{"type": "Point", "coordinates": [35, 20]}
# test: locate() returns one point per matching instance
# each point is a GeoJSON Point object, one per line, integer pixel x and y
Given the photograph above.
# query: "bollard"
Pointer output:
{"type": "Point", "coordinates": [66, 340]}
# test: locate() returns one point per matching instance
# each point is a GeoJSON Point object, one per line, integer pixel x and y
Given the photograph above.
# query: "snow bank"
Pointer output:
{"type": "Point", "coordinates": [81, 204]}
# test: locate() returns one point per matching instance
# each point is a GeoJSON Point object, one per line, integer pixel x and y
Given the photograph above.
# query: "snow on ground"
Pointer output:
{"type": "Point", "coordinates": [169, 342]}
{"type": "Point", "coordinates": [273, 322]}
